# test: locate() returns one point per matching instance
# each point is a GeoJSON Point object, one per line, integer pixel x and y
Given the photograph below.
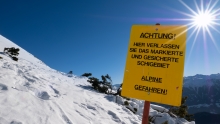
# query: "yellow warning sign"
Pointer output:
{"type": "Point", "coordinates": [155, 63]}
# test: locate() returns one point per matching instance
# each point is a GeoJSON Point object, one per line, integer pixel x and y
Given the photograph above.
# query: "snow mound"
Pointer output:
{"type": "Point", "coordinates": [3, 87]}
{"type": "Point", "coordinates": [40, 94]}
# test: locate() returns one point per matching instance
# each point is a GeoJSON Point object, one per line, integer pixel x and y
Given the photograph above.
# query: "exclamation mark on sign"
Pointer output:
{"type": "Point", "coordinates": [165, 92]}
{"type": "Point", "coordinates": [174, 36]}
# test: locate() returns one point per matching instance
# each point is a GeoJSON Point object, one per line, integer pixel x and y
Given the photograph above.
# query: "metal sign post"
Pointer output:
{"type": "Point", "coordinates": [146, 112]}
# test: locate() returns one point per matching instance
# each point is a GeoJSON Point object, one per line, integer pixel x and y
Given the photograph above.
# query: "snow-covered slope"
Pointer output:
{"type": "Point", "coordinates": [4, 42]}
{"type": "Point", "coordinates": [33, 93]}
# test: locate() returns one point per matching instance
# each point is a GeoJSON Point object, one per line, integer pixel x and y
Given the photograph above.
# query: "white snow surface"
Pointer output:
{"type": "Point", "coordinates": [33, 93]}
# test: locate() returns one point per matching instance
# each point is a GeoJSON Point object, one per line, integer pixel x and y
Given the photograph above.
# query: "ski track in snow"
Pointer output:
{"type": "Point", "coordinates": [62, 114]}
{"type": "Point", "coordinates": [114, 117]}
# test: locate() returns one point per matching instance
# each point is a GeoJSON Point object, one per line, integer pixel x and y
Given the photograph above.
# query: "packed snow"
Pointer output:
{"type": "Point", "coordinates": [33, 93]}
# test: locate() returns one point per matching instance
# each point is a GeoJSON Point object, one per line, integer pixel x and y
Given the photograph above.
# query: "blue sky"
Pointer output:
{"type": "Point", "coordinates": [93, 36]}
